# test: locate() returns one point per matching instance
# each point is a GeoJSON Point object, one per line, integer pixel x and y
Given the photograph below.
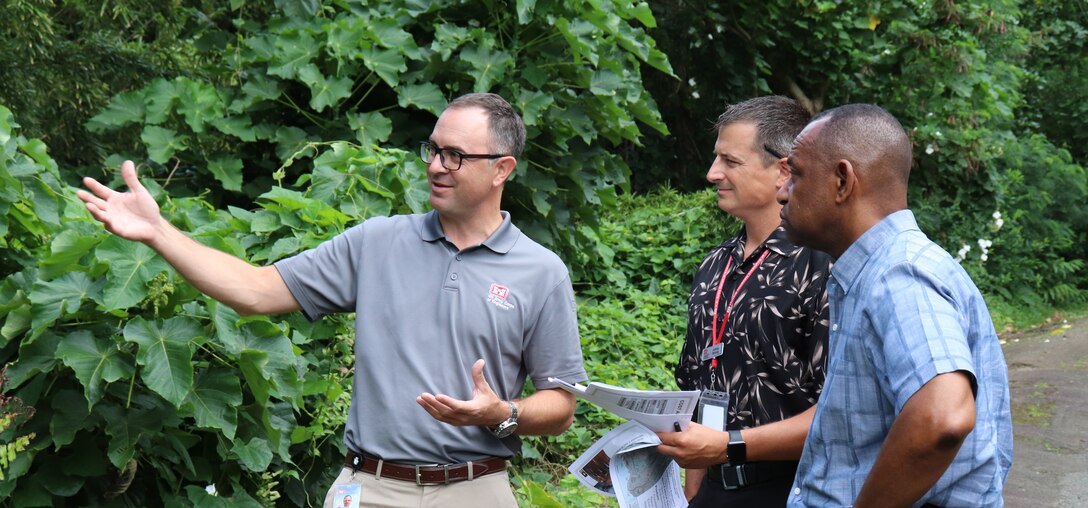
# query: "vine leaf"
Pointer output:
{"type": "Point", "coordinates": [214, 400]}
{"type": "Point", "coordinates": [132, 264]}
{"type": "Point", "coordinates": [165, 354]}
{"type": "Point", "coordinates": [95, 360]}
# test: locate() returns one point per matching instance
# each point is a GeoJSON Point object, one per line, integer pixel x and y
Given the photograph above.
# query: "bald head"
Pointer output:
{"type": "Point", "coordinates": [873, 140]}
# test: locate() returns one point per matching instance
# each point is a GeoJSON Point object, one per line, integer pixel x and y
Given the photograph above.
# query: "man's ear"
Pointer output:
{"type": "Point", "coordinates": [504, 167]}
{"type": "Point", "coordinates": [783, 173]}
{"type": "Point", "coordinates": [846, 181]}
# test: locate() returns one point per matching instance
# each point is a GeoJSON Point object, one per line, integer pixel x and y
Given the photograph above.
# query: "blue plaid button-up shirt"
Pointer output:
{"type": "Point", "coordinates": [902, 312]}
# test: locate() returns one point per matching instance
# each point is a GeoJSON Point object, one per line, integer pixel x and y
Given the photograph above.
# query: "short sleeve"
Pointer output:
{"type": "Point", "coordinates": [921, 332]}
{"type": "Point", "coordinates": [324, 280]}
{"type": "Point", "coordinates": [553, 347]}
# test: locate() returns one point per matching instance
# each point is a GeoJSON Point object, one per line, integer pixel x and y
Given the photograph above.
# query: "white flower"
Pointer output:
{"type": "Point", "coordinates": [938, 133]}
{"type": "Point", "coordinates": [719, 28]}
{"type": "Point", "coordinates": [710, 36]}
{"type": "Point", "coordinates": [691, 82]}
{"type": "Point", "coordinates": [694, 95]}
{"type": "Point", "coordinates": [210, 489]}
{"type": "Point", "coordinates": [984, 257]}
{"type": "Point", "coordinates": [997, 214]}
{"type": "Point", "coordinates": [984, 244]}
{"type": "Point", "coordinates": [962, 253]}
{"type": "Point", "coordinates": [929, 150]}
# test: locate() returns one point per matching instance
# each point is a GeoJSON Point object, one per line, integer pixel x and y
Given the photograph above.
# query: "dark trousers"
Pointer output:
{"type": "Point", "coordinates": [772, 493]}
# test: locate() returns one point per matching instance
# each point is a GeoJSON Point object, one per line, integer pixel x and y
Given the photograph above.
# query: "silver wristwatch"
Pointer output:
{"type": "Point", "coordinates": [509, 425]}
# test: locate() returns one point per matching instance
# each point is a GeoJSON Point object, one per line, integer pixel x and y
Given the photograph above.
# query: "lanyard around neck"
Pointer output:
{"type": "Point", "coordinates": [714, 331]}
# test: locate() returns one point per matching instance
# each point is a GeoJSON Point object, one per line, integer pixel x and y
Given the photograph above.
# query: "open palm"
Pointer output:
{"type": "Point", "coordinates": [133, 215]}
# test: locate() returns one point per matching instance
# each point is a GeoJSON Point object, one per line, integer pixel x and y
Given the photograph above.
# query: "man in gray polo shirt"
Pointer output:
{"type": "Point", "coordinates": [455, 309]}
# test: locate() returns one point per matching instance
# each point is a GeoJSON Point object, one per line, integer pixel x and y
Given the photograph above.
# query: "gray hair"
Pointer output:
{"type": "Point", "coordinates": [778, 121]}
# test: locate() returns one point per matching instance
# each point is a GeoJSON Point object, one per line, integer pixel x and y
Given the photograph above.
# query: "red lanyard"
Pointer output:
{"type": "Point", "coordinates": [714, 332]}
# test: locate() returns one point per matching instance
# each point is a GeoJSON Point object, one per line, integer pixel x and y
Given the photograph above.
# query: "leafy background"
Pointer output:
{"type": "Point", "coordinates": [265, 128]}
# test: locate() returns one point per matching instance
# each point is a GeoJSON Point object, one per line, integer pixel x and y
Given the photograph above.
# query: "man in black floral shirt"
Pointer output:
{"type": "Point", "coordinates": [757, 322]}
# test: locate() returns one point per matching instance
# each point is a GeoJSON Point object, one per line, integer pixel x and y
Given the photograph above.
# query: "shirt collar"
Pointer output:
{"type": "Point", "coordinates": [501, 240]}
{"type": "Point", "coordinates": [850, 264]}
{"type": "Point", "coordinates": [778, 242]}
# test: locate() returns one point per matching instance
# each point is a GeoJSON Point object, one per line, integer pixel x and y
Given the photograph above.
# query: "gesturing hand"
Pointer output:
{"type": "Point", "coordinates": [695, 448]}
{"type": "Point", "coordinates": [485, 408]}
{"type": "Point", "coordinates": [132, 215]}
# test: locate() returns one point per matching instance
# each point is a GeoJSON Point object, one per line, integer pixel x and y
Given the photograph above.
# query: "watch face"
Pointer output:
{"type": "Point", "coordinates": [505, 428]}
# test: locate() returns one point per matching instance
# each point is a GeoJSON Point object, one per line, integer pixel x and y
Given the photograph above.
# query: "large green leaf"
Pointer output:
{"type": "Point", "coordinates": [292, 53]}
{"type": "Point", "coordinates": [254, 455]}
{"type": "Point", "coordinates": [125, 426]}
{"type": "Point", "coordinates": [36, 355]}
{"type": "Point", "coordinates": [132, 264]}
{"type": "Point", "coordinates": [324, 92]}
{"type": "Point", "coordinates": [200, 103]}
{"type": "Point", "coordinates": [70, 415]}
{"type": "Point", "coordinates": [387, 63]}
{"type": "Point", "coordinates": [165, 354]}
{"type": "Point", "coordinates": [123, 109]}
{"type": "Point", "coordinates": [161, 97]}
{"type": "Point", "coordinates": [65, 250]}
{"type": "Point", "coordinates": [162, 143]}
{"type": "Point", "coordinates": [52, 299]}
{"type": "Point", "coordinates": [370, 128]}
{"type": "Point", "coordinates": [214, 400]}
{"type": "Point", "coordinates": [228, 170]}
{"type": "Point", "coordinates": [425, 96]}
{"type": "Point", "coordinates": [95, 360]}
{"type": "Point", "coordinates": [489, 66]}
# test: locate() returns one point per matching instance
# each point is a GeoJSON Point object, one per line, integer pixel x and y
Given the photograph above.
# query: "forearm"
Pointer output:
{"type": "Point", "coordinates": [693, 478]}
{"type": "Point", "coordinates": [546, 412]}
{"type": "Point", "coordinates": [921, 443]}
{"type": "Point", "coordinates": [781, 440]}
{"type": "Point", "coordinates": [245, 288]}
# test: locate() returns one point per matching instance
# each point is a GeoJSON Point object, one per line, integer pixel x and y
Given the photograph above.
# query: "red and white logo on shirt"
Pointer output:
{"type": "Point", "coordinates": [497, 295]}
{"type": "Point", "coordinates": [499, 291]}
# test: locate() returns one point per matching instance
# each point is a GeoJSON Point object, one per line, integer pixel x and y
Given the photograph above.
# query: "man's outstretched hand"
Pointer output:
{"type": "Point", "coordinates": [485, 408]}
{"type": "Point", "coordinates": [133, 215]}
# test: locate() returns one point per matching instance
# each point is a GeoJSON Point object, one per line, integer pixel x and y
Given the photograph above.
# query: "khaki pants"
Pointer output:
{"type": "Point", "coordinates": [488, 491]}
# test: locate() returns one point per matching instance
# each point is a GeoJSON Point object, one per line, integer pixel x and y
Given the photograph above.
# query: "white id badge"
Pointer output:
{"type": "Point", "coordinates": [712, 352]}
{"type": "Point", "coordinates": [713, 409]}
{"type": "Point", "coordinates": [347, 495]}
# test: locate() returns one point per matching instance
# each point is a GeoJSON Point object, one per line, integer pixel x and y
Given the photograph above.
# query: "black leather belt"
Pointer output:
{"type": "Point", "coordinates": [731, 477]}
{"type": "Point", "coordinates": [435, 474]}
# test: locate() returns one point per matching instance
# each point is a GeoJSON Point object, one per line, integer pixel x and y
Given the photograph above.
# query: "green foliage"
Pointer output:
{"type": "Point", "coordinates": [1058, 81]}
{"type": "Point", "coordinates": [1038, 251]}
{"type": "Point", "coordinates": [147, 392]}
{"type": "Point", "coordinates": [379, 73]}
{"type": "Point", "coordinates": [633, 319]}
{"type": "Point", "coordinates": [964, 78]}
{"type": "Point", "coordinates": [61, 62]}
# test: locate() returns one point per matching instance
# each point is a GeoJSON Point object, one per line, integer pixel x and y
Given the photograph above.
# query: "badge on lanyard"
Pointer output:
{"type": "Point", "coordinates": [712, 352]}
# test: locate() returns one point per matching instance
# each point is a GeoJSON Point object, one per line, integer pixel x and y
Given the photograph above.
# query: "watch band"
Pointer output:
{"type": "Point", "coordinates": [507, 426]}
{"type": "Point", "coordinates": [737, 450]}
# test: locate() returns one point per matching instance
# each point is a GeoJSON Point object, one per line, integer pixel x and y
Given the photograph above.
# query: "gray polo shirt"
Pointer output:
{"type": "Point", "coordinates": [424, 313]}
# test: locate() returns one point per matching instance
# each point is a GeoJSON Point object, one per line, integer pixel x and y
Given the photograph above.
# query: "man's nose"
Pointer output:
{"type": "Point", "coordinates": [783, 194]}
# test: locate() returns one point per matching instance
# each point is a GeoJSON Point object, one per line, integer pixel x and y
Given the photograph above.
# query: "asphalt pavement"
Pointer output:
{"type": "Point", "coordinates": [1048, 382]}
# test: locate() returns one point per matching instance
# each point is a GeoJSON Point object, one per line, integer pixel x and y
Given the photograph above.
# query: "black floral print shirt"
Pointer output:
{"type": "Point", "coordinates": [775, 343]}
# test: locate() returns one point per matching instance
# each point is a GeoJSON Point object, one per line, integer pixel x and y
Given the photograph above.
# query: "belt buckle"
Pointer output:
{"type": "Point", "coordinates": [733, 477]}
{"type": "Point", "coordinates": [419, 474]}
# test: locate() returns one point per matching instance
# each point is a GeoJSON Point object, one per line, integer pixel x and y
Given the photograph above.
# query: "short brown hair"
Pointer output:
{"type": "Point", "coordinates": [505, 128]}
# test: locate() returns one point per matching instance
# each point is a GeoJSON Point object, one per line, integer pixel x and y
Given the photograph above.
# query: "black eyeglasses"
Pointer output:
{"type": "Point", "coordinates": [451, 159]}
{"type": "Point", "coordinates": [773, 152]}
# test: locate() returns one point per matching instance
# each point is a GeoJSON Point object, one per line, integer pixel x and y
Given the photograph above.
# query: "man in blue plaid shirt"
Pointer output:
{"type": "Point", "coordinates": [915, 406]}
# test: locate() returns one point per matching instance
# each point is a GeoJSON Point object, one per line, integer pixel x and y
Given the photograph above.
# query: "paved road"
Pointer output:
{"type": "Point", "coordinates": [1048, 380]}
